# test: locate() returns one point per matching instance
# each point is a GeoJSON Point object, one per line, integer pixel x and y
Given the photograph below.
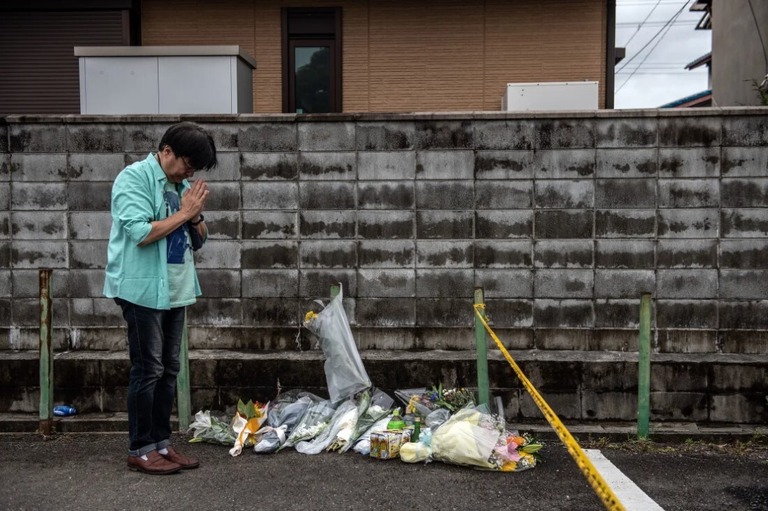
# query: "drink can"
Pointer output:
{"type": "Point", "coordinates": [64, 411]}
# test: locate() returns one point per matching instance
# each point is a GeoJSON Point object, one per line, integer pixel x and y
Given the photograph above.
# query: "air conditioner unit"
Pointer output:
{"type": "Point", "coordinates": [124, 80]}
{"type": "Point", "coordinates": [550, 96]}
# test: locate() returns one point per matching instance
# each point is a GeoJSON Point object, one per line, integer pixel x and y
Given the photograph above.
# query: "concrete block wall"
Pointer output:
{"type": "Point", "coordinates": [564, 220]}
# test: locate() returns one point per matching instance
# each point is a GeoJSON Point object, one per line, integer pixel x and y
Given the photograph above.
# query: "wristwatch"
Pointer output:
{"type": "Point", "coordinates": [202, 219]}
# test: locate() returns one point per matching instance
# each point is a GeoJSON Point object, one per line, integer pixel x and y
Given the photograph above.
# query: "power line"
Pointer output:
{"type": "Point", "coordinates": [643, 61]}
{"type": "Point", "coordinates": [671, 20]}
{"type": "Point", "coordinates": [642, 23]}
{"type": "Point", "coordinates": [639, 3]}
{"type": "Point", "coordinates": [660, 72]}
{"type": "Point", "coordinates": [668, 26]}
{"type": "Point", "coordinates": [663, 65]}
{"type": "Point", "coordinates": [628, 24]}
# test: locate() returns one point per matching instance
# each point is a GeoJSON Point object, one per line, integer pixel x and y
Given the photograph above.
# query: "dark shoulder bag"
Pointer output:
{"type": "Point", "coordinates": [194, 236]}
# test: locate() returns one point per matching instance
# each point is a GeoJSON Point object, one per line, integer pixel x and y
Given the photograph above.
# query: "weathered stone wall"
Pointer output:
{"type": "Point", "coordinates": [563, 220]}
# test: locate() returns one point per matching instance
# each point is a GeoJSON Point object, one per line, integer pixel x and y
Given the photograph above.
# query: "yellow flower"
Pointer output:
{"type": "Point", "coordinates": [509, 466]}
{"type": "Point", "coordinates": [411, 408]}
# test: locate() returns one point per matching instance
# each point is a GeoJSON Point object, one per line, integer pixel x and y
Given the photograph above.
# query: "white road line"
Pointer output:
{"type": "Point", "coordinates": [633, 498]}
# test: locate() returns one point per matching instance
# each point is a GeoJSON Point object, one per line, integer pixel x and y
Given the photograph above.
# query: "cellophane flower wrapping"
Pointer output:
{"type": "Point", "coordinates": [246, 423]}
{"type": "Point", "coordinates": [377, 407]}
{"type": "Point", "coordinates": [423, 401]}
{"type": "Point", "coordinates": [467, 438]}
{"type": "Point", "coordinates": [415, 452]}
{"type": "Point", "coordinates": [285, 412]}
{"type": "Point", "coordinates": [315, 420]}
{"type": "Point", "coordinates": [343, 418]}
{"type": "Point", "coordinates": [344, 371]}
{"type": "Point", "coordinates": [348, 424]}
{"type": "Point", "coordinates": [474, 437]}
{"type": "Point", "coordinates": [211, 429]}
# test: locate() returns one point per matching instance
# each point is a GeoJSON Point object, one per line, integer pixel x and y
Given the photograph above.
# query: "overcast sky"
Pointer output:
{"type": "Point", "coordinates": [659, 68]}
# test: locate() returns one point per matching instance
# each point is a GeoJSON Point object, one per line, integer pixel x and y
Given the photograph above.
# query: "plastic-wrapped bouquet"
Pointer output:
{"type": "Point", "coordinates": [247, 421]}
{"type": "Point", "coordinates": [347, 422]}
{"type": "Point", "coordinates": [343, 418]}
{"type": "Point", "coordinates": [344, 370]}
{"type": "Point", "coordinates": [422, 401]}
{"type": "Point", "coordinates": [378, 406]}
{"type": "Point", "coordinates": [285, 411]}
{"type": "Point", "coordinates": [315, 420]}
{"type": "Point", "coordinates": [211, 429]}
{"type": "Point", "coordinates": [515, 452]}
{"type": "Point", "coordinates": [476, 438]}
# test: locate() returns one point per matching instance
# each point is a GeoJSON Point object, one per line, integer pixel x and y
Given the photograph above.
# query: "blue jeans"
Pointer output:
{"type": "Point", "coordinates": [154, 339]}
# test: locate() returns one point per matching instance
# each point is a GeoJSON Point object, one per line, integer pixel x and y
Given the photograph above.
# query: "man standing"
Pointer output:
{"type": "Point", "coordinates": [151, 275]}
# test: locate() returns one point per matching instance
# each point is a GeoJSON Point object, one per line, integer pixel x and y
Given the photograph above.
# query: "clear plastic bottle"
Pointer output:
{"type": "Point", "coordinates": [396, 423]}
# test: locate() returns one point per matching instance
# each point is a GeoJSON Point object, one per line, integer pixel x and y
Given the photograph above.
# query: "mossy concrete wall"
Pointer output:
{"type": "Point", "coordinates": [563, 220]}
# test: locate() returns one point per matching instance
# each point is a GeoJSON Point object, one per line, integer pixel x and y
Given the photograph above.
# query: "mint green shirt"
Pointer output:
{"type": "Point", "coordinates": [139, 274]}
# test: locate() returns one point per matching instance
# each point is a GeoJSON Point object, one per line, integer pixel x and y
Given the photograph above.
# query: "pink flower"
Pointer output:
{"type": "Point", "coordinates": [512, 450]}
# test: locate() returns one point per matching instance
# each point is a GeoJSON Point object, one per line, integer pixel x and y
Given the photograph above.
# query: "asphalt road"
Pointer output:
{"type": "Point", "coordinates": [88, 472]}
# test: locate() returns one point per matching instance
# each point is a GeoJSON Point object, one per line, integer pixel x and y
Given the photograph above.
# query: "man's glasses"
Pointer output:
{"type": "Point", "coordinates": [188, 166]}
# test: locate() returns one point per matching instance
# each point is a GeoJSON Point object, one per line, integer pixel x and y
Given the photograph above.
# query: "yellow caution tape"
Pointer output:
{"type": "Point", "coordinates": [594, 478]}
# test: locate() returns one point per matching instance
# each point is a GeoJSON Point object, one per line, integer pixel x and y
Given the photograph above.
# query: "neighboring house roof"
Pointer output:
{"type": "Point", "coordinates": [705, 23]}
{"type": "Point", "coordinates": [619, 54]}
{"type": "Point", "coordinates": [703, 98]}
{"type": "Point", "coordinates": [704, 59]}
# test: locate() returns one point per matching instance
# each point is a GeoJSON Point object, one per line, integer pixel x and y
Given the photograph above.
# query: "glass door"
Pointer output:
{"type": "Point", "coordinates": [312, 84]}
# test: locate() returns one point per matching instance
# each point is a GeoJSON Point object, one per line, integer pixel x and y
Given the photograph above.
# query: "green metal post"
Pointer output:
{"type": "Point", "coordinates": [46, 354]}
{"type": "Point", "coordinates": [644, 368]}
{"type": "Point", "coordinates": [183, 399]}
{"type": "Point", "coordinates": [481, 344]}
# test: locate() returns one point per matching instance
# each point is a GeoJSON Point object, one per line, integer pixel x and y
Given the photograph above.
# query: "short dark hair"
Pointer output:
{"type": "Point", "coordinates": [188, 140]}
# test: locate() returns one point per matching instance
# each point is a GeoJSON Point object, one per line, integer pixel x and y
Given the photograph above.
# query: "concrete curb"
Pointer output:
{"type": "Point", "coordinates": [583, 431]}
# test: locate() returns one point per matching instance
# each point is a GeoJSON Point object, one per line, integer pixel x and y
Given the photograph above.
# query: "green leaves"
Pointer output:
{"type": "Point", "coordinates": [247, 410]}
{"type": "Point", "coordinates": [531, 448]}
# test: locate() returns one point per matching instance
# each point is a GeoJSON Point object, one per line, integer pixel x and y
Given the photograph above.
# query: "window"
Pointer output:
{"type": "Point", "coordinates": [312, 60]}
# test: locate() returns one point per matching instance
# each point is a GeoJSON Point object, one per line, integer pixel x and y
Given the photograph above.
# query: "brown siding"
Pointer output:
{"type": "Point", "coordinates": [400, 55]}
{"type": "Point", "coordinates": [355, 59]}
{"type": "Point", "coordinates": [426, 57]}
{"type": "Point", "coordinates": [197, 22]}
{"type": "Point", "coordinates": [542, 41]}
{"type": "Point", "coordinates": [268, 80]}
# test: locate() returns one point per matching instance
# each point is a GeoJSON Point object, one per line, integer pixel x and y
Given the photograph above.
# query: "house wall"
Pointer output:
{"type": "Point", "coordinates": [738, 54]}
{"type": "Point", "coordinates": [403, 56]}
{"type": "Point", "coordinates": [563, 220]}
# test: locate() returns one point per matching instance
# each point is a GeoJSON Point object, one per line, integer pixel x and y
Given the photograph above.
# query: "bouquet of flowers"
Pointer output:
{"type": "Point", "coordinates": [343, 418]}
{"type": "Point", "coordinates": [315, 420]}
{"type": "Point", "coordinates": [211, 429]}
{"type": "Point", "coordinates": [476, 438]}
{"type": "Point", "coordinates": [347, 422]}
{"type": "Point", "coordinates": [284, 412]}
{"type": "Point", "coordinates": [247, 421]}
{"type": "Point", "coordinates": [377, 407]}
{"type": "Point", "coordinates": [422, 401]}
{"type": "Point", "coordinates": [467, 438]}
{"type": "Point", "coordinates": [515, 452]}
